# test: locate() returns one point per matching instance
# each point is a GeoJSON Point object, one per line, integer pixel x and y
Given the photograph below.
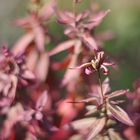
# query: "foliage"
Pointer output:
{"type": "Point", "coordinates": [77, 104]}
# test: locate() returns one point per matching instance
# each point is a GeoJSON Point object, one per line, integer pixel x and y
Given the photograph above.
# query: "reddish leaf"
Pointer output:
{"type": "Point", "coordinates": [82, 123]}
{"type": "Point", "coordinates": [97, 19]}
{"type": "Point", "coordinates": [27, 115]}
{"type": "Point", "coordinates": [82, 66]}
{"type": "Point", "coordinates": [91, 109]}
{"type": "Point", "coordinates": [69, 75]}
{"type": "Point", "coordinates": [23, 22]}
{"type": "Point", "coordinates": [89, 41]}
{"type": "Point", "coordinates": [62, 47]}
{"type": "Point", "coordinates": [92, 99]}
{"type": "Point", "coordinates": [47, 10]}
{"type": "Point", "coordinates": [39, 37]}
{"type": "Point", "coordinates": [70, 32]}
{"type": "Point", "coordinates": [12, 90]}
{"type": "Point", "coordinates": [32, 59]}
{"type": "Point", "coordinates": [42, 67]}
{"type": "Point", "coordinates": [100, 16]}
{"type": "Point", "coordinates": [106, 86]}
{"type": "Point", "coordinates": [61, 65]}
{"type": "Point", "coordinates": [120, 114]}
{"type": "Point", "coordinates": [23, 43]}
{"type": "Point", "coordinates": [114, 135]}
{"type": "Point", "coordinates": [117, 93]}
{"type": "Point", "coordinates": [41, 102]}
{"type": "Point", "coordinates": [65, 17]}
{"type": "Point", "coordinates": [28, 75]}
{"type": "Point", "coordinates": [13, 116]}
{"type": "Point", "coordinates": [97, 127]}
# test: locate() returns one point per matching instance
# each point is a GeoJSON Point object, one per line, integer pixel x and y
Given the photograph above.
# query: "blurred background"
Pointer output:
{"type": "Point", "coordinates": [123, 21]}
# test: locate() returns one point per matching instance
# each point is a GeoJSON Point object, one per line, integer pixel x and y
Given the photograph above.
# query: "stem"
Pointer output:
{"type": "Point", "coordinates": [74, 8]}
{"type": "Point", "coordinates": [100, 83]}
{"type": "Point", "coordinates": [104, 101]}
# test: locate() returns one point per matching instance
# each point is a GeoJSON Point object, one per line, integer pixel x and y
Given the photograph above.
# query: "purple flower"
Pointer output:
{"type": "Point", "coordinates": [96, 64]}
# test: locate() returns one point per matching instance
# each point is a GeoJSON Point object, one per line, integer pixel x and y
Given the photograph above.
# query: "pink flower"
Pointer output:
{"type": "Point", "coordinates": [96, 64]}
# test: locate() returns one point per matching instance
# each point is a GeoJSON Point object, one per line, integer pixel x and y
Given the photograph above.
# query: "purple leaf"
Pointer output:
{"type": "Point", "coordinates": [120, 114]}
{"type": "Point", "coordinates": [62, 47]}
{"type": "Point", "coordinates": [12, 90]}
{"type": "Point", "coordinates": [100, 16]}
{"type": "Point", "coordinates": [82, 16]}
{"type": "Point", "coordinates": [89, 41]}
{"type": "Point", "coordinates": [41, 102]}
{"type": "Point", "coordinates": [32, 59]}
{"type": "Point", "coordinates": [47, 10]}
{"type": "Point", "coordinates": [95, 99]}
{"type": "Point", "coordinates": [97, 19]}
{"type": "Point", "coordinates": [23, 43]}
{"type": "Point", "coordinates": [28, 75]}
{"type": "Point", "coordinates": [97, 127]}
{"type": "Point", "coordinates": [82, 66]}
{"type": "Point", "coordinates": [27, 115]}
{"type": "Point", "coordinates": [69, 75]}
{"type": "Point", "coordinates": [39, 37]}
{"type": "Point", "coordinates": [23, 22]}
{"type": "Point", "coordinates": [13, 116]}
{"type": "Point", "coordinates": [82, 123]}
{"type": "Point", "coordinates": [91, 109]}
{"type": "Point", "coordinates": [65, 17]}
{"type": "Point", "coordinates": [117, 93]}
{"type": "Point", "coordinates": [70, 32]}
{"type": "Point", "coordinates": [42, 67]}
{"type": "Point", "coordinates": [114, 135]}
{"type": "Point", "coordinates": [106, 86]}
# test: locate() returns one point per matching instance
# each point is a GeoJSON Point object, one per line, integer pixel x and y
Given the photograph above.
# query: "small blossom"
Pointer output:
{"type": "Point", "coordinates": [96, 64]}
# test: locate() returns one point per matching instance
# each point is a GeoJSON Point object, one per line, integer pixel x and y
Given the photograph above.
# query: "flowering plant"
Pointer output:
{"type": "Point", "coordinates": [44, 98]}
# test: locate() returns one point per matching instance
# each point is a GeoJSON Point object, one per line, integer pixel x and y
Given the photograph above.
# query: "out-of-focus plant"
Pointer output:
{"type": "Point", "coordinates": [35, 102]}
{"type": "Point", "coordinates": [132, 133]}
